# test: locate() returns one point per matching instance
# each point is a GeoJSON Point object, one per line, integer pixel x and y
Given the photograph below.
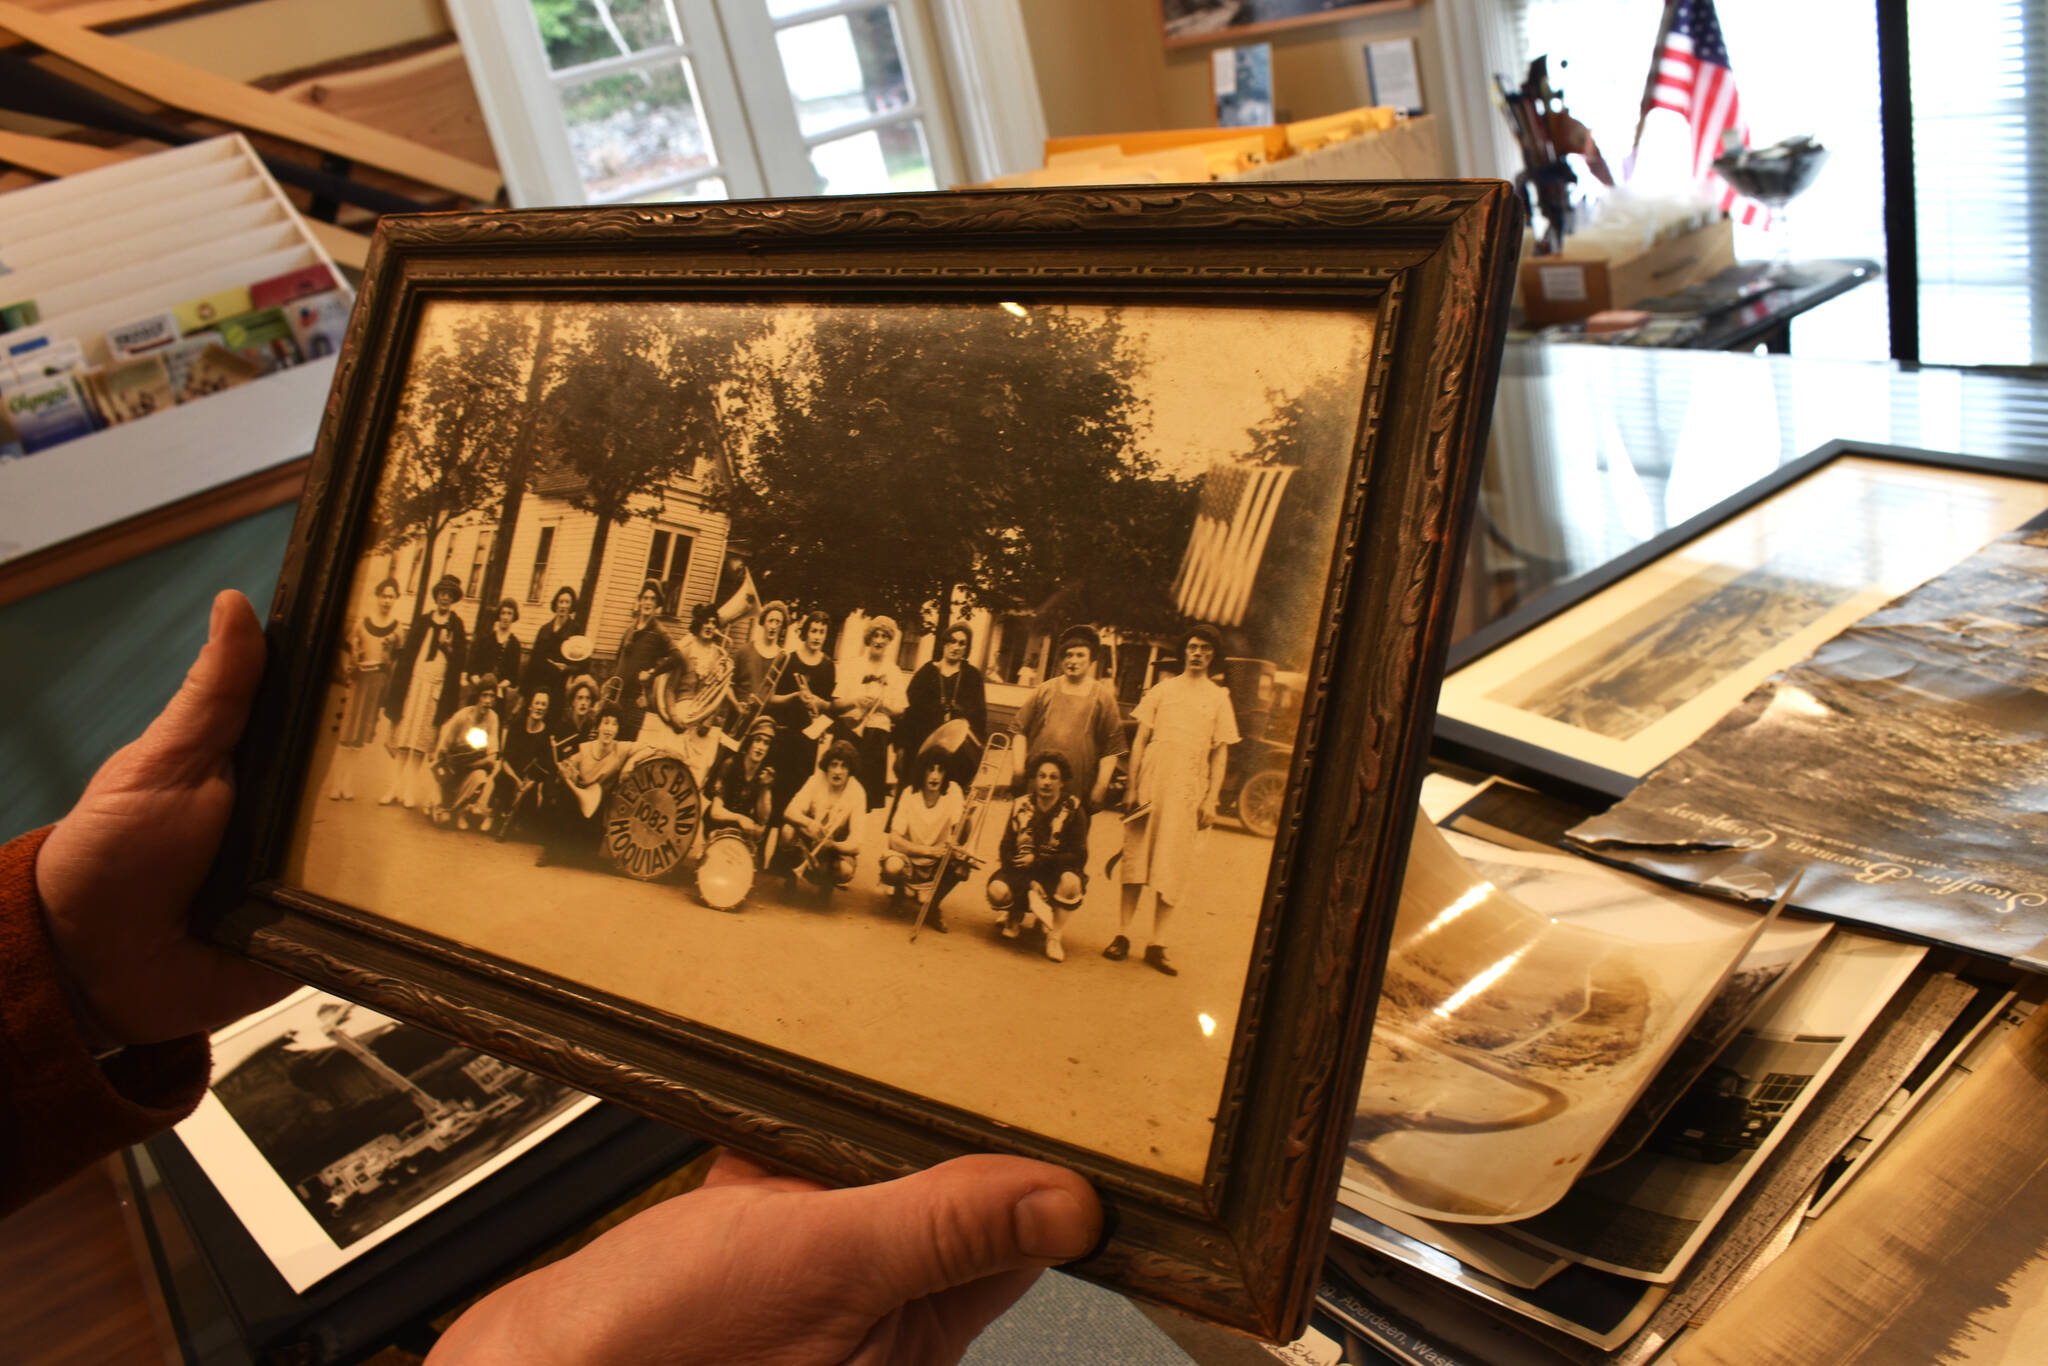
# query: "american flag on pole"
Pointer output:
{"type": "Point", "coordinates": [1232, 524]}
{"type": "Point", "coordinates": [1692, 78]}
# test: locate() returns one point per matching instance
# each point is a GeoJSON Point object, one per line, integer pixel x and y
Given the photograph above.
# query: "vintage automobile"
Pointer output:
{"type": "Point", "coordinates": [1267, 700]}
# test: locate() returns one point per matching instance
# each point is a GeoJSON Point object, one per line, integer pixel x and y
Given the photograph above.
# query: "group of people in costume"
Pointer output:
{"type": "Point", "coordinates": [791, 750]}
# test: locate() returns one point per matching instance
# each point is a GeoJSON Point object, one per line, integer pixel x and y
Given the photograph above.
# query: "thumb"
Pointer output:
{"type": "Point", "coordinates": [191, 737]}
{"type": "Point", "coordinates": [957, 1223]}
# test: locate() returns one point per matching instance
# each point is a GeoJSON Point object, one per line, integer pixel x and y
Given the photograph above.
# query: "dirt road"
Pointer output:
{"type": "Point", "coordinates": [1111, 1056]}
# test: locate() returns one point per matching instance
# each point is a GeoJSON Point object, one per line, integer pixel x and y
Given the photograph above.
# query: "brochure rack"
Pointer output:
{"type": "Point", "coordinates": [107, 246]}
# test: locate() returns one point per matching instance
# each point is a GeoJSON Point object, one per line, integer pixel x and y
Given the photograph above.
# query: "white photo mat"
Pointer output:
{"type": "Point", "coordinates": [264, 1201]}
{"type": "Point", "coordinates": [1856, 532]}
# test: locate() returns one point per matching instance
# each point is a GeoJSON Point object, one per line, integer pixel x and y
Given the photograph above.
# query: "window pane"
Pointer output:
{"type": "Point", "coordinates": [635, 128]}
{"type": "Point", "coordinates": [784, 9]}
{"type": "Point", "coordinates": [710, 187]}
{"type": "Point", "coordinates": [540, 562]}
{"type": "Point", "coordinates": [579, 31]}
{"type": "Point", "coordinates": [844, 70]}
{"type": "Point", "coordinates": [880, 160]}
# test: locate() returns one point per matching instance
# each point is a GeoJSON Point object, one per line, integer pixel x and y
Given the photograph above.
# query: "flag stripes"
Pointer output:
{"type": "Point", "coordinates": [1232, 525]}
{"type": "Point", "coordinates": [1694, 80]}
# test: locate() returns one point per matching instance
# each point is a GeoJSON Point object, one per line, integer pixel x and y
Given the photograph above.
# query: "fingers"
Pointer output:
{"type": "Point", "coordinates": [958, 1223]}
{"type": "Point", "coordinates": [193, 735]}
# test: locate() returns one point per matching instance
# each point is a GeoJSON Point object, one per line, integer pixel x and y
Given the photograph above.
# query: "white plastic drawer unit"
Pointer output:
{"type": "Point", "coordinates": [108, 246]}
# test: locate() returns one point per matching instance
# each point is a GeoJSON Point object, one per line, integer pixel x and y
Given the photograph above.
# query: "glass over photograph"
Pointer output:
{"type": "Point", "coordinates": [910, 688]}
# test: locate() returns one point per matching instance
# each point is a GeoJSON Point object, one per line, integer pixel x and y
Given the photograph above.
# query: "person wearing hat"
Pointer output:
{"type": "Point", "coordinates": [495, 650]}
{"type": "Point", "coordinates": [705, 680]}
{"type": "Point", "coordinates": [1075, 715]}
{"type": "Point", "coordinates": [743, 788]}
{"type": "Point", "coordinates": [946, 688]}
{"type": "Point", "coordinates": [645, 652]}
{"type": "Point", "coordinates": [576, 720]}
{"type": "Point", "coordinates": [1186, 726]}
{"type": "Point", "coordinates": [753, 660]}
{"type": "Point", "coordinates": [423, 689]}
{"type": "Point", "coordinates": [870, 696]}
{"type": "Point", "coordinates": [548, 667]}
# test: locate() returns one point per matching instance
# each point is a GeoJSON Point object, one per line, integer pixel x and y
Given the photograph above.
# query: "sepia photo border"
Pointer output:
{"type": "Point", "coordinates": [1431, 263]}
{"type": "Point", "coordinates": [1576, 762]}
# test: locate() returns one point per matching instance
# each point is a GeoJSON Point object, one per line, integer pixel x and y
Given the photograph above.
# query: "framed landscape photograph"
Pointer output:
{"type": "Point", "coordinates": [871, 680]}
{"type": "Point", "coordinates": [1598, 681]}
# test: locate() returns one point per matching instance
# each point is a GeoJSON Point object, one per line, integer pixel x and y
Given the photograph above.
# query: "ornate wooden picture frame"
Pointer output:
{"type": "Point", "coordinates": [1080, 445]}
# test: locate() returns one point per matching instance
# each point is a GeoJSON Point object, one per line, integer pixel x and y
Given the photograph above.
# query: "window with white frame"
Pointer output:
{"type": "Point", "coordinates": [617, 101]}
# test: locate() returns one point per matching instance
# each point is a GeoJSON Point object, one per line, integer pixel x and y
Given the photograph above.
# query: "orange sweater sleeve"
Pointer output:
{"type": "Point", "coordinates": [59, 1110]}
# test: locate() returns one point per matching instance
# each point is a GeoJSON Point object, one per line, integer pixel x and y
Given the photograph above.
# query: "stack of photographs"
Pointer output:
{"type": "Point", "coordinates": [1591, 1101]}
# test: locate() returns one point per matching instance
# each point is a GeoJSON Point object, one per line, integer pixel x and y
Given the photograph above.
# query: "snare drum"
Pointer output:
{"type": "Point", "coordinates": [726, 874]}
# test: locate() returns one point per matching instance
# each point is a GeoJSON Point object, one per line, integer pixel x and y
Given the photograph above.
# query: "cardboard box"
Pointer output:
{"type": "Point", "coordinates": [1569, 286]}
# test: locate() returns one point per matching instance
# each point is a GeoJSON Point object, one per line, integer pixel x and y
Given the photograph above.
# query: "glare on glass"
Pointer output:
{"type": "Point", "coordinates": [845, 69]}
{"type": "Point", "coordinates": [636, 129]}
{"type": "Point", "coordinates": [579, 31]}
{"type": "Point", "coordinates": [890, 159]}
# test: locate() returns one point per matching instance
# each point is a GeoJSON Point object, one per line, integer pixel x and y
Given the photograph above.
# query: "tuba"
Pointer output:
{"type": "Point", "coordinates": [687, 709]}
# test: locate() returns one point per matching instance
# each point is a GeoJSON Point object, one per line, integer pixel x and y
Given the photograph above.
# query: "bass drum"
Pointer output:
{"type": "Point", "coordinates": [726, 874]}
{"type": "Point", "coordinates": [651, 818]}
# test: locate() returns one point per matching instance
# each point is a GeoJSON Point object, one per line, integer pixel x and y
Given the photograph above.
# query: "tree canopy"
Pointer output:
{"type": "Point", "coordinates": [896, 453]}
{"type": "Point", "coordinates": [455, 421]}
{"type": "Point", "coordinates": [639, 400]}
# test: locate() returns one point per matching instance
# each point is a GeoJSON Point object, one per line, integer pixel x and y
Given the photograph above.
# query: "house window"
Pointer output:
{"type": "Point", "coordinates": [641, 101]}
{"type": "Point", "coordinates": [668, 563]}
{"type": "Point", "coordinates": [477, 558]}
{"type": "Point", "coordinates": [545, 548]}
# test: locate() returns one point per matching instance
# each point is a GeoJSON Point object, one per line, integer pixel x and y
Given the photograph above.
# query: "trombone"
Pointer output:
{"type": "Point", "coordinates": [972, 818]}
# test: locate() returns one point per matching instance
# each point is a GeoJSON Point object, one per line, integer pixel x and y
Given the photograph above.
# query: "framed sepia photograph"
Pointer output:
{"type": "Point", "coordinates": [1598, 681]}
{"type": "Point", "coordinates": [871, 680]}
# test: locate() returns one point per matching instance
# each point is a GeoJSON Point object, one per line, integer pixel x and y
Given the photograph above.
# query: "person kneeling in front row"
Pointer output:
{"type": "Point", "coordinates": [820, 842]}
{"type": "Point", "coordinates": [1044, 856]}
{"type": "Point", "coordinates": [923, 826]}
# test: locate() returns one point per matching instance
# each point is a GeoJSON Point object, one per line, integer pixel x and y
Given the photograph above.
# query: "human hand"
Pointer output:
{"type": "Point", "coordinates": [759, 1268]}
{"type": "Point", "coordinates": [1206, 816]}
{"type": "Point", "coordinates": [118, 873]}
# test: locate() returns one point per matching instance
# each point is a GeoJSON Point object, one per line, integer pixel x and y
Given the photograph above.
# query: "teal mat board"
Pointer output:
{"type": "Point", "coordinates": [86, 665]}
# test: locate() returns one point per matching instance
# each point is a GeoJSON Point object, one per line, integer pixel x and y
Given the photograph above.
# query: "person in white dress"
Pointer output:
{"type": "Point", "coordinates": [924, 832]}
{"type": "Point", "coordinates": [1185, 729]}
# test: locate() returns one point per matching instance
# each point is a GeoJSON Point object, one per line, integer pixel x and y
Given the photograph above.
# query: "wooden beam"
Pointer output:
{"type": "Point", "coordinates": [53, 156]}
{"type": "Point", "coordinates": [118, 13]}
{"type": "Point", "coordinates": [347, 248]}
{"type": "Point", "coordinates": [202, 92]}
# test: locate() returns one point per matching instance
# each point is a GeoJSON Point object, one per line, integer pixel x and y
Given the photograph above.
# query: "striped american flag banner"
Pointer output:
{"type": "Point", "coordinates": [1232, 524]}
{"type": "Point", "coordinates": [1692, 78]}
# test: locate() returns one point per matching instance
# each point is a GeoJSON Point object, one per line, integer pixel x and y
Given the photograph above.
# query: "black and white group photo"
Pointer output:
{"type": "Point", "coordinates": [367, 1122]}
{"type": "Point", "coordinates": [912, 687]}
